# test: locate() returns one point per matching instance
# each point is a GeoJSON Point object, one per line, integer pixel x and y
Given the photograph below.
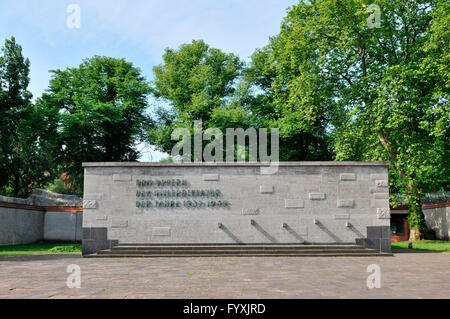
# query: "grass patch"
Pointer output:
{"type": "Point", "coordinates": [39, 248]}
{"type": "Point", "coordinates": [432, 245]}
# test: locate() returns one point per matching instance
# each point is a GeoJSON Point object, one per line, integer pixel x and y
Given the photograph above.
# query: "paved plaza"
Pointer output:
{"type": "Point", "coordinates": [406, 275]}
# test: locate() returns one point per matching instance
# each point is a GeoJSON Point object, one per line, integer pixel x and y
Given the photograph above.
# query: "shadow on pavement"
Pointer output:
{"type": "Point", "coordinates": [39, 257]}
{"type": "Point", "coordinates": [414, 251]}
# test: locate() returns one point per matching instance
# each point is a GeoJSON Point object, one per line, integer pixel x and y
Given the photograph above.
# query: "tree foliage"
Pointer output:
{"type": "Point", "coordinates": [24, 159]}
{"type": "Point", "coordinates": [281, 99]}
{"type": "Point", "coordinates": [384, 91]}
{"type": "Point", "coordinates": [202, 83]}
{"type": "Point", "coordinates": [197, 82]}
{"type": "Point", "coordinates": [98, 111]}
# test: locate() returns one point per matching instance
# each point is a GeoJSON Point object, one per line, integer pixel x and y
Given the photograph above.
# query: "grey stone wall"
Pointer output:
{"type": "Point", "coordinates": [437, 219]}
{"type": "Point", "coordinates": [311, 202]}
{"type": "Point", "coordinates": [63, 226]}
{"type": "Point", "coordinates": [24, 221]}
{"type": "Point", "coordinates": [20, 226]}
{"type": "Point", "coordinates": [25, 226]}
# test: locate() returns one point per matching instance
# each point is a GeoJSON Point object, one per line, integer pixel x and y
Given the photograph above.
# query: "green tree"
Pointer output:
{"type": "Point", "coordinates": [98, 110]}
{"type": "Point", "coordinates": [280, 100]}
{"type": "Point", "coordinates": [197, 82]}
{"type": "Point", "coordinates": [383, 90]}
{"type": "Point", "coordinates": [202, 83]}
{"type": "Point", "coordinates": [25, 163]}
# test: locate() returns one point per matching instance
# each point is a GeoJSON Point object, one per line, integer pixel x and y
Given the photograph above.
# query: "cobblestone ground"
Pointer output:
{"type": "Point", "coordinates": [406, 275]}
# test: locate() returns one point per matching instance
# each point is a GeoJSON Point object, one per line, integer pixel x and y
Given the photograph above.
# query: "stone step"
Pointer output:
{"type": "Point", "coordinates": [303, 244]}
{"type": "Point", "coordinates": [233, 247]}
{"type": "Point", "coordinates": [348, 254]}
{"type": "Point", "coordinates": [226, 250]}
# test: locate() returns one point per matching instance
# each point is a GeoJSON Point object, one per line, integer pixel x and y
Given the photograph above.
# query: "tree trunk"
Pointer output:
{"type": "Point", "coordinates": [416, 217]}
{"type": "Point", "coordinates": [16, 185]}
{"type": "Point", "coordinates": [414, 235]}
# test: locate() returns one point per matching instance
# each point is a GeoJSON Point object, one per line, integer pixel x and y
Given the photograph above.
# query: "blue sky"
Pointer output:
{"type": "Point", "coordinates": [136, 30]}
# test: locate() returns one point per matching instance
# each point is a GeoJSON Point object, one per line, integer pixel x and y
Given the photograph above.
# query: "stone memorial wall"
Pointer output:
{"type": "Point", "coordinates": [185, 203]}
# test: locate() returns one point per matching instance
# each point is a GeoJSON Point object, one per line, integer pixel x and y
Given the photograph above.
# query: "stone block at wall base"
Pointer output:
{"type": "Point", "coordinates": [91, 246]}
{"type": "Point", "coordinates": [95, 239]}
{"type": "Point", "coordinates": [378, 237]}
{"type": "Point", "coordinates": [380, 244]}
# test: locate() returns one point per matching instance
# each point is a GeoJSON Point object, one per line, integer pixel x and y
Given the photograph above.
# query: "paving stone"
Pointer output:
{"type": "Point", "coordinates": [227, 277]}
